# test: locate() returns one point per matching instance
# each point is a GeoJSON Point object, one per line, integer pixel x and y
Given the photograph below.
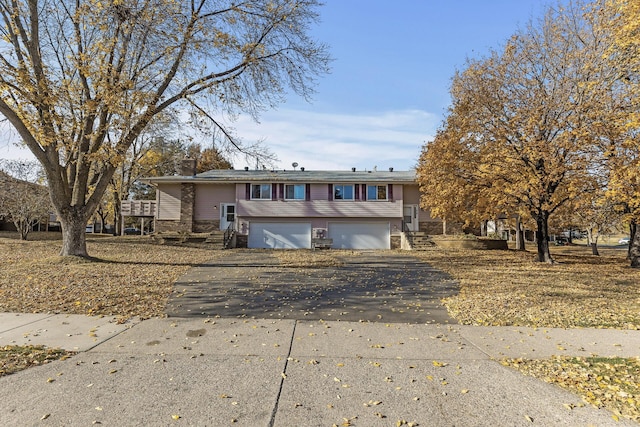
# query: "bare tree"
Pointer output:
{"type": "Point", "coordinates": [81, 80]}
{"type": "Point", "coordinates": [23, 201]}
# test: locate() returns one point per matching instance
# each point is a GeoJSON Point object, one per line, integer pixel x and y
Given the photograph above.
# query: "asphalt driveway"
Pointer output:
{"type": "Point", "coordinates": [376, 286]}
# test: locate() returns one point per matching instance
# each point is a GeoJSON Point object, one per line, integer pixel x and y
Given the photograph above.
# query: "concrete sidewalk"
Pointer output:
{"type": "Point", "coordinates": [217, 372]}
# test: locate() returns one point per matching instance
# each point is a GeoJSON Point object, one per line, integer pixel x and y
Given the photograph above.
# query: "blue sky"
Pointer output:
{"type": "Point", "coordinates": [388, 89]}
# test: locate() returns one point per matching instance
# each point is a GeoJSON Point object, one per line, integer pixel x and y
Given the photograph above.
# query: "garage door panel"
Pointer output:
{"type": "Point", "coordinates": [370, 235]}
{"type": "Point", "coordinates": [274, 235]}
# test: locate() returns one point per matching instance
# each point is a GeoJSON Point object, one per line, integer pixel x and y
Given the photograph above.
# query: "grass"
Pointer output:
{"type": "Point", "coordinates": [127, 276]}
{"type": "Point", "coordinates": [581, 290]}
{"type": "Point", "coordinates": [16, 358]}
{"type": "Point", "coordinates": [611, 383]}
{"type": "Point", "coordinates": [130, 277]}
{"type": "Point", "coordinates": [505, 288]}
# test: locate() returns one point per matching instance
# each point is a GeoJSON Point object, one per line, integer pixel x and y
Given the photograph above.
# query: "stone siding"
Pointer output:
{"type": "Point", "coordinates": [187, 205]}
{"type": "Point", "coordinates": [396, 242]}
{"type": "Point", "coordinates": [167, 226]}
{"type": "Point", "coordinates": [431, 227]}
{"type": "Point", "coordinates": [206, 226]}
{"type": "Point", "coordinates": [242, 241]}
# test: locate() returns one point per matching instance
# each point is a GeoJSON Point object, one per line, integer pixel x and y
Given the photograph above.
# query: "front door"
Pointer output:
{"type": "Point", "coordinates": [410, 217]}
{"type": "Point", "coordinates": [227, 215]}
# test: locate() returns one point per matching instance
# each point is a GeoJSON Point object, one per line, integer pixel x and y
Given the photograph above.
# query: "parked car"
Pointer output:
{"type": "Point", "coordinates": [561, 241]}
{"type": "Point", "coordinates": [132, 231]}
{"type": "Point", "coordinates": [623, 241]}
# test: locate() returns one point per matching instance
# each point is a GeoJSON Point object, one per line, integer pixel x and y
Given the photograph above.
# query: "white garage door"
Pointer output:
{"type": "Point", "coordinates": [277, 235]}
{"type": "Point", "coordinates": [368, 235]}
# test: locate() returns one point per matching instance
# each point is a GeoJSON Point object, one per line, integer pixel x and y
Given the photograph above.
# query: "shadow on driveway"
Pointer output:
{"type": "Point", "coordinates": [375, 286]}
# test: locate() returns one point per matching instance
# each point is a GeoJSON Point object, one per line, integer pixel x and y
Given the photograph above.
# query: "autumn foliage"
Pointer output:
{"type": "Point", "coordinates": [81, 80]}
{"type": "Point", "coordinates": [542, 124]}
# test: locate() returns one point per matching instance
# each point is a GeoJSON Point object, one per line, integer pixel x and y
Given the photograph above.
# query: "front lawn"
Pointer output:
{"type": "Point", "coordinates": [131, 277]}
{"type": "Point", "coordinates": [505, 288]}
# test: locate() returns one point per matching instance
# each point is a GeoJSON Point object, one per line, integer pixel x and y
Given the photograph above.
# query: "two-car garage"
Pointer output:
{"type": "Point", "coordinates": [297, 235]}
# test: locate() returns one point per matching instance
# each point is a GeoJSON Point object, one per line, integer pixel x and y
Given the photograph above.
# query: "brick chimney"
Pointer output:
{"type": "Point", "coordinates": [188, 167]}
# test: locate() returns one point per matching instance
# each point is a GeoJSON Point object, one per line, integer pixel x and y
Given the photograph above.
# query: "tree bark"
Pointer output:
{"type": "Point", "coordinates": [593, 242]}
{"type": "Point", "coordinates": [634, 245]}
{"type": "Point", "coordinates": [542, 237]}
{"type": "Point", "coordinates": [73, 224]}
{"type": "Point", "coordinates": [520, 244]}
{"type": "Point", "coordinates": [23, 228]}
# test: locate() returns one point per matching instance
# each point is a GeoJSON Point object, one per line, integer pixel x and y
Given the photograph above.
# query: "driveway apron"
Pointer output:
{"type": "Point", "coordinates": [376, 286]}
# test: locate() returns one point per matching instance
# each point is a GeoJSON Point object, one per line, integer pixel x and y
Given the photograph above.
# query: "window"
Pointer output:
{"type": "Point", "coordinates": [261, 192]}
{"type": "Point", "coordinates": [376, 192]}
{"type": "Point", "coordinates": [343, 192]}
{"type": "Point", "coordinates": [294, 192]}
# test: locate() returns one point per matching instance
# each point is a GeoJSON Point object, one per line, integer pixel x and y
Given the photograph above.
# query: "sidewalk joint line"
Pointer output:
{"type": "Point", "coordinates": [27, 324]}
{"type": "Point", "coordinates": [284, 373]}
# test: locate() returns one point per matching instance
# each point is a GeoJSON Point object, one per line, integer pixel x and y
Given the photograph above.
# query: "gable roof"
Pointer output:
{"type": "Point", "coordinates": [298, 176]}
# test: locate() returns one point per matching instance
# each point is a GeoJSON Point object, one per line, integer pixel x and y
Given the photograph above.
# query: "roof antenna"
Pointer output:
{"type": "Point", "coordinates": [295, 165]}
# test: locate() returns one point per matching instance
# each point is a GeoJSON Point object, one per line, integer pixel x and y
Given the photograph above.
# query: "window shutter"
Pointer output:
{"type": "Point", "coordinates": [390, 192]}
{"type": "Point", "coordinates": [307, 192]}
{"type": "Point", "coordinates": [248, 191]}
{"type": "Point", "coordinates": [356, 188]}
{"type": "Point", "coordinates": [274, 192]}
{"type": "Point", "coordinates": [330, 195]}
{"type": "Point", "coordinates": [281, 191]}
{"type": "Point", "coordinates": [364, 192]}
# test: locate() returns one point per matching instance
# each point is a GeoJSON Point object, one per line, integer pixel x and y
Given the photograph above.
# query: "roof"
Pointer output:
{"type": "Point", "coordinates": [301, 176]}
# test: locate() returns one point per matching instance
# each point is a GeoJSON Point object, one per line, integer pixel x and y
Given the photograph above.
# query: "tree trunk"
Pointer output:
{"type": "Point", "coordinates": [23, 228]}
{"type": "Point", "coordinates": [542, 237]}
{"type": "Point", "coordinates": [593, 241]}
{"type": "Point", "coordinates": [634, 245]}
{"type": "Point", "coordinates": [74, 241]}
{"type": "Point", "coordinates": [520, 245]}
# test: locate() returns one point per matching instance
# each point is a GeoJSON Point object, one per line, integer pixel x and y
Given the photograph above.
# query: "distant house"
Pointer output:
{"type": "Point", "coordinates": [293, 208]}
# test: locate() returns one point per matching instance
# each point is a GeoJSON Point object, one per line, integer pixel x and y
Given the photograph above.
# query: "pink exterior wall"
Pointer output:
{"type": "Point", "coordinates": [412, 197]}
{"type": "Point", "coordinates": [319, 211]}
{"type": "Point", "coordinates": [209, 197]}
{"type": "Point", "coordinates": [319, 192]}
{"type": "Point", "coordinates": [319, 208]}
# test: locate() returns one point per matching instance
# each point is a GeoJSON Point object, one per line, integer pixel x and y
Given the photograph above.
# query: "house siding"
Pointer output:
{"type": "Point", "coordinates": [208, 200]}
{"type": "Point", "coordinates": [168, 202]}
{"type": "Point", "coordinates": [319, 208]}
{"type": "Point", "coordinates": [195, 205]}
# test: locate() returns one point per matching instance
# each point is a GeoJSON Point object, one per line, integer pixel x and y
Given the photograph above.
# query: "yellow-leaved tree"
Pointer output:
{"type": "Point", "coordinates": [518, 138]}
{"type": "Point", "coordinates": [81, 80]}
{"type": "Point", "coordinates": [621, 121]}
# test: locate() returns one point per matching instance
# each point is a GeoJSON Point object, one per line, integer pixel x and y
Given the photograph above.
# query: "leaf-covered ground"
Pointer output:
{"type": "Point", "coordinates": [510, 288]}
{"type": "Point", "coordinates": [613, 383]}
{"type": "Point", "coordinates": [127, 276]}
{"type": "Point", "coordinates": [16, 358]}
{"type": "Point", "coordinates": [131, 277]}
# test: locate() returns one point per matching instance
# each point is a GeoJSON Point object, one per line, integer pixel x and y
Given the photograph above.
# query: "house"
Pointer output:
{"type": "Point", "coordinates": [292, 209]}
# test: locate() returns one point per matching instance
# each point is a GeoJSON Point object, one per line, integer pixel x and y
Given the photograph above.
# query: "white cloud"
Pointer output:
{"type": "Point", "coordinates": [341, 141]}
{"type": "Point", "coordinates": [320, 141]}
